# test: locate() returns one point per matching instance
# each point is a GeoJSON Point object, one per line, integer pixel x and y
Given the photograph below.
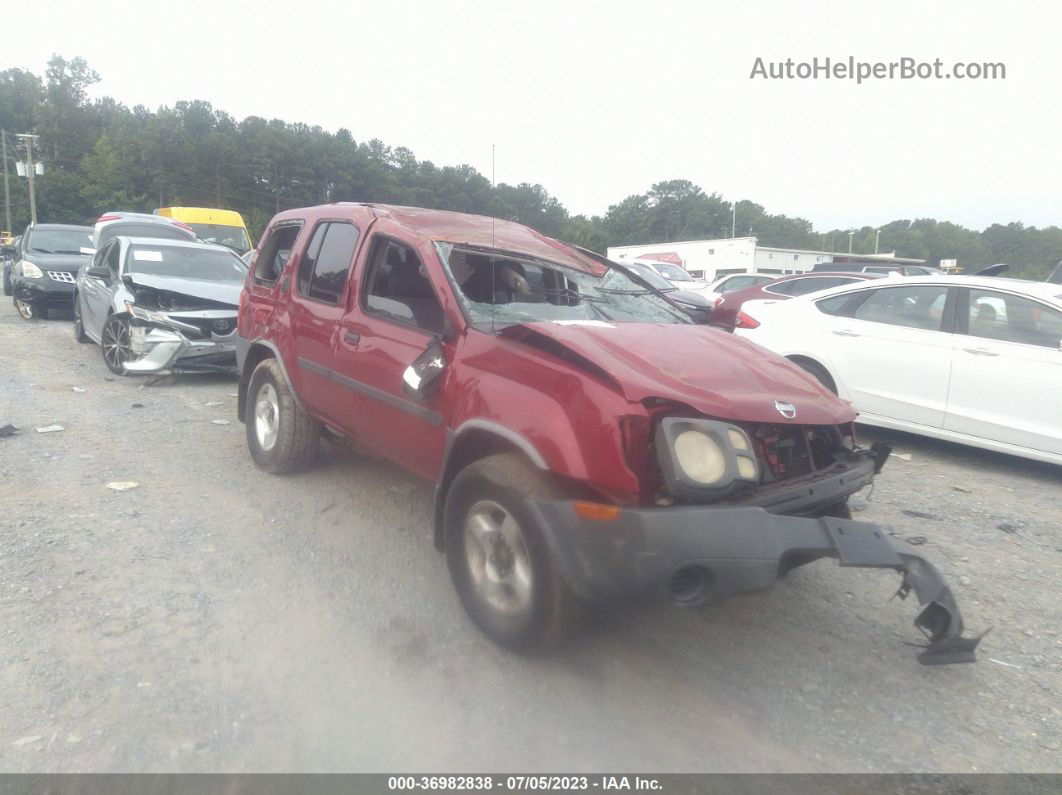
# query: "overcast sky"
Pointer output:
{"type": "Point", "coordinates": [597, 101]}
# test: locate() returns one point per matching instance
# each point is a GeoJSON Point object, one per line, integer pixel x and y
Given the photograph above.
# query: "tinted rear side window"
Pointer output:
{"type": "Point", "coordinates": [332, 264]}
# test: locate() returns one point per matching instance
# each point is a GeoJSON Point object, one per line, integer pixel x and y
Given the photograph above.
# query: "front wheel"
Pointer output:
{"type": "Point", "coordinates": [280, 435]}
{"type": "Point", "coordinates": [79, 325]}
{"type": "Point", "coordinates": [817, 371]}
{"type": "Point", "coordinates": [508, 580]}
{"type": "Point", "coordinates": [115, 344]}
{"type": "Point", "coordinates": [28, 310]}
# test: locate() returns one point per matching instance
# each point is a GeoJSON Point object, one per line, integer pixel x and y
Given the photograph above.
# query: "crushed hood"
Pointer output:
{"type": "Point", "coordinates": [223, 292]}
{"type": "Point", "coordinates": [714, 372]}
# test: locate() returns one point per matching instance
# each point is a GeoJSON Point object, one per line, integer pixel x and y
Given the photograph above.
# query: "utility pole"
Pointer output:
{"type": "Point", "coordinates": [29, 139]}
{"type": "Point", "coordinates": [7, 195]}
{"type": "Point", "coordinates": [733, 221]}
{"type": "Point", "coordinates": [877, 238]}
{"type": "Point", "coordinates": [850, 242]}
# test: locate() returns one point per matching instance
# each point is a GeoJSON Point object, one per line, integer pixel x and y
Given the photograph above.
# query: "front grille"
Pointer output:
{"type": "Point", "coordinates": [61, 276]}
{"type": "Point", "coordinates": [210, 326]}
{"type": "Point", "coordinates": [793, 451]}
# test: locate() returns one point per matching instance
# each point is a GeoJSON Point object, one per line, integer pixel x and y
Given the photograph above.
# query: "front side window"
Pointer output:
{"type": "Point", "coordinates": [499, 288]}
{"type": "Point", "coordinates": [1011, 318]}
{"type": "Point", "coordinates": [398, 288]}
{"type": "Point", "coordinates": [919, 307]}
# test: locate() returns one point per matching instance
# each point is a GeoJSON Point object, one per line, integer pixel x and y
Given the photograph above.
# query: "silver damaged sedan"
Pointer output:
{"type": "Point", "coordinates": [156, 305]}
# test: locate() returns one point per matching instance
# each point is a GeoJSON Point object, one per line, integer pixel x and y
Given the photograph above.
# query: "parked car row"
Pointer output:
{"type": "Point", "coordinates": [141, 286]}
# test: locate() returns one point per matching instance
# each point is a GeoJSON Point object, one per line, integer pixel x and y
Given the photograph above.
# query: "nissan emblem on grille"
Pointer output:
{"type": "Point", "coordinates": [787, 410]}
{"type": "Point", "coordinates": [221, 326]}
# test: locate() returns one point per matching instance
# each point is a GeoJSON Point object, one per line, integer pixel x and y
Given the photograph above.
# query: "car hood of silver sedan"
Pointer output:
{"type": "Point", "coordinates": [227, 292]}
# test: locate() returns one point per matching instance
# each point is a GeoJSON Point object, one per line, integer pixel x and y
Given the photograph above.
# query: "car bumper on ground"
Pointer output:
{"type": "Point", "coordinates": [163, 349]}
{"type": "Point", "coordinates": [700, 554]}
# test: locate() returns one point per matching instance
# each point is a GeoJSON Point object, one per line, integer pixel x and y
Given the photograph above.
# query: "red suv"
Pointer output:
{"type": "Point", "coordinates": [585, 437]}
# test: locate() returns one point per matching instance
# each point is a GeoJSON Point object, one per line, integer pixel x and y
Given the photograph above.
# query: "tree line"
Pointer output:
{"type": "Point", "coordinates": [100, 155]}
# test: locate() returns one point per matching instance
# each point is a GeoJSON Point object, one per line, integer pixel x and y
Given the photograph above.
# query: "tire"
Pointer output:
{"type": "Point", "coordinates": [839, 510]}
{"type": "Point", "coordinates": [280, 436]}
{"type": "Point", "coordinates": [500, 563]}
{"type": "Point", "coordinates": [79, 327]}
{"type": "Point", "coordinates": [114, 343]}
{"type": "Point", "coordinates": [818, 371]}
{"type": "Point", "coordinates": [28, 310]}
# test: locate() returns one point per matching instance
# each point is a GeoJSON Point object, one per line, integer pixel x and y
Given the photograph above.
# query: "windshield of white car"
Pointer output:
{"type": "Point", "coordinates": [527, 291]}
{"type": "Point", "coordinates": [186, 263]}
{"type": "Point", "coordinates": [673, 272]}
{"type": "Point", "coordinates": [232, 236]}
{"type": "Point", "coordinates": [59, 241]}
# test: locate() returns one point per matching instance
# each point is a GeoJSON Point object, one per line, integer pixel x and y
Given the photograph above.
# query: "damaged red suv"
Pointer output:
{"type": "Point", "coordinates": [585, 438]}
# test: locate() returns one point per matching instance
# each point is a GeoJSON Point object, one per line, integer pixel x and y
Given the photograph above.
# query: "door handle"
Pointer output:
{"type": "Point", "coordinates": [351, 337]}
{"type": "Point", "coordinates": [981, 351]}
{"type": "Point", "coordinates": [846, 333]}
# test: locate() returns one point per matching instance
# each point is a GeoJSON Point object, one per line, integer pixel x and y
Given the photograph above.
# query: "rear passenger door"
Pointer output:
{"type": "Point", "coordinates": [395, 316]}
{"type": "Point", "coordinates": [319, 290]}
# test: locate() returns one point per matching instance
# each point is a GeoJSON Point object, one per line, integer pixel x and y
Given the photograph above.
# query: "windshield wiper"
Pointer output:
{"type": "Point", "coordinates": [650, 291]}
{"type": "Point", "coordinates": [568, 293]}
{"type": "Point", "coordinates": [41, 251]}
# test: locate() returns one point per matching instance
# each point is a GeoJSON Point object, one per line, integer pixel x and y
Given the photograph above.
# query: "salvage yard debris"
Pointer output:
{"type": "Point", "coordinates": [221, 422]}
{"type": "Point", "coordinates": [123, 485]}
{"type": "Point", "coordinates": [8, 430]}
{"type": "Point", "coordinates": [49, 428]}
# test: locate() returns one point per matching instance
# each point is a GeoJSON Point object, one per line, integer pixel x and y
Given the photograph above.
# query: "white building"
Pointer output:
{"type": "Point", "coordinates": [710, 259]}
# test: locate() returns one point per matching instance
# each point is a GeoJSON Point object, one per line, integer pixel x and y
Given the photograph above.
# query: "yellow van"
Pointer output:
{"type": "Point", "coordinates": [213, 226]}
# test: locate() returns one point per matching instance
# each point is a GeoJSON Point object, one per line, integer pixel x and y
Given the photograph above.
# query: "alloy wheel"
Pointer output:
{"type": "Point", "coordinates": [25, 309]}
{"type": "Point", "coordinates": [116, 346]}
{"type": "Point", "coordinates": [497, 557]}
{"type": "Point", "coordinates": [266, 417]}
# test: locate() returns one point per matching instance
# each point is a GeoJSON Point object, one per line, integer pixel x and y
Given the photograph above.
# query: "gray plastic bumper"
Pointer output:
{"type": "Point", "coordinates": [720, 552]}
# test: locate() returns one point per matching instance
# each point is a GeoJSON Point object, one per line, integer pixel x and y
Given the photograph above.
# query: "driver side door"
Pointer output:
{"type": "Point", "coordinates": [95, 293]}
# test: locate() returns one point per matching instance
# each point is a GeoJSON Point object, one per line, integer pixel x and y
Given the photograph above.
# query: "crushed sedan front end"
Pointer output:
{"type": "Point", "coordinates": [181, 341]}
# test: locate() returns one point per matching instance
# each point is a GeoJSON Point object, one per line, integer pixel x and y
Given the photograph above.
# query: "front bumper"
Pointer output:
{"type": "Point", "coordinates": [45, 293]}
{"type": "Point", "coordinates": [706, 554]}
{"type": "Point", "coordinates": [168, 350]}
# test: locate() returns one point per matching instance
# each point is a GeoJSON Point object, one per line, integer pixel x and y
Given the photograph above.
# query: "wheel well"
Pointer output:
{"type": "Point", "coordinates": [471, 446]}
{"type": "Point", "coordinates": [807, 363]}
{"type": "Point", "coordinates": [256, 355]}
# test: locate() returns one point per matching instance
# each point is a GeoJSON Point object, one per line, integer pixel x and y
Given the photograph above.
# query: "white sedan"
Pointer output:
{"type": "Point", "coordinates": [975, 360]}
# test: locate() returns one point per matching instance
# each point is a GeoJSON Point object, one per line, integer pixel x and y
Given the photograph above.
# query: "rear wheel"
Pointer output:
{"type": "Point", "coordinates": [280, 435]}
{"type": "Point", "coordinates": [79, 326]}
{"type": "Point", "coordinates": [115, 344]}
{"type": "Point", "coordinates": [28, 310]}
{"type": "Point", "coordinates": [508, 580]}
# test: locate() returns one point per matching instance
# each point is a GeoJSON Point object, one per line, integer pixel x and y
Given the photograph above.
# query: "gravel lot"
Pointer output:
{"type": "Point", "coordinates": [220, 619]}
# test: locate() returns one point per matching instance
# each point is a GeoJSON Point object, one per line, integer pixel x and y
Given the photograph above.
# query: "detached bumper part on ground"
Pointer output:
{"type": "Point", "coordinates": [699, 555]}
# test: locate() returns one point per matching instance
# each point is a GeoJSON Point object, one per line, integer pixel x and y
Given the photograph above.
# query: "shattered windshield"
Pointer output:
{"type": "Point", "coordinates": [186, 262]}
{"type": "Point", "coordinates": [498, 288]}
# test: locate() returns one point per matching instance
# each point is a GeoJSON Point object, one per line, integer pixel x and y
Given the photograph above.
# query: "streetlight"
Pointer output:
{"type": "Point", "coordinates": [850, 233]}
{"type": "Point", "coordinates": [877, 237]}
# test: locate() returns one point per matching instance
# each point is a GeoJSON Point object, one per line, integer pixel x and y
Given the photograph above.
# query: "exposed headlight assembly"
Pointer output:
{"type": "Point", "coordinates": [31, 271]}
{"type": "Point", "coordinates": [146, 314]}
{"type": "Point", "coordinates": [704, 457]}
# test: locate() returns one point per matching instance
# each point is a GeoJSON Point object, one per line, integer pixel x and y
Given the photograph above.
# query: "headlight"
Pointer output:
{"type": "Point", "coordinates": [31, 271]}
{"type": "Point", "coordinates": [702, 458]}
{"type": "Point", "coordinates": [145, 314]}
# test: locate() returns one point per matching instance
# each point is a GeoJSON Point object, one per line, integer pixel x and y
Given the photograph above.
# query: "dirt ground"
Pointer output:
{"type": "Point", "coordinates": [220, 619]}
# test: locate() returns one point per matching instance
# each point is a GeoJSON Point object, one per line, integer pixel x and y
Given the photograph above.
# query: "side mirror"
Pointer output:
{"type": "Point", "coordinates": [99, 272]}
{"type": "Point", "coordinates": [420, 378]}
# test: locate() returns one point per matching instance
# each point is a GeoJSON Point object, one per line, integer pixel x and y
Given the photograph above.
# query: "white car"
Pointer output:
{"type": "Point", "coordinates": [736, 281]}
{"type": "Point", "coordinates": [676, 274]}
{"type": "Point", "coordinates": [969, 359]}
